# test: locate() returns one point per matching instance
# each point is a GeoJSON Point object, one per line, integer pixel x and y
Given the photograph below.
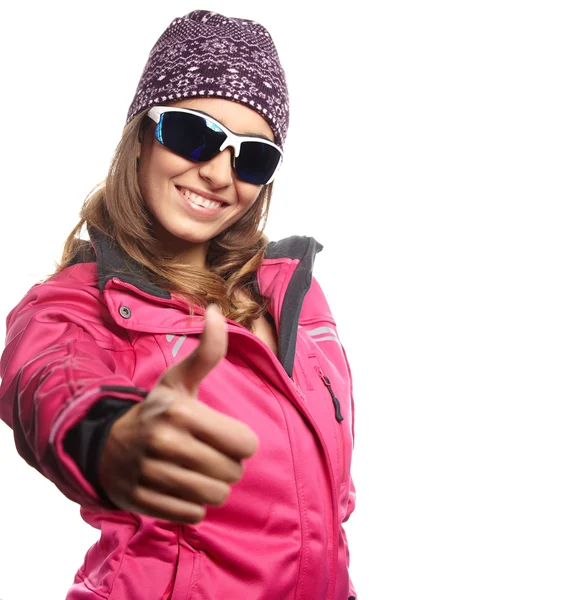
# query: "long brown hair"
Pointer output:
{"type": "Point", "coordinates": [116, 208]}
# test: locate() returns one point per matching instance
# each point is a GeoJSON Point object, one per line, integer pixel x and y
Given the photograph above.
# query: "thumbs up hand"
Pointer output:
{"type": "Point", "coordinates": [170, 455]}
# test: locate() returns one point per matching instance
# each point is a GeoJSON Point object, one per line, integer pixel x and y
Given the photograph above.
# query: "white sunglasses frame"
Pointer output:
{"type": "Point", "coordinates": [233, 140]}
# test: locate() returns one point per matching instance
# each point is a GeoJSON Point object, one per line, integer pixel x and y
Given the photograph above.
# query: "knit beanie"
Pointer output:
{"type": "Point", "coordinates": [207, 55]}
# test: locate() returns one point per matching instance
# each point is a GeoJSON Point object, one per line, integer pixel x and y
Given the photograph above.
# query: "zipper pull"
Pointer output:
{"type": "Point", "coordinates": [336, 402]}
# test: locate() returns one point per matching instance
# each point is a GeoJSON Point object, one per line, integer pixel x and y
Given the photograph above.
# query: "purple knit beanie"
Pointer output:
{"type": "Point", "coordinates": [207, 55]}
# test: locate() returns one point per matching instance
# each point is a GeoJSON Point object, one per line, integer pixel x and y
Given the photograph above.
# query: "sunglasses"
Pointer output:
{"type": "Point", "coordinates": [196, 136]}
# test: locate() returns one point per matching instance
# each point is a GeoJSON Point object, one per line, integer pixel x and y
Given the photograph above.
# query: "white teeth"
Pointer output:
{"type": "Point", "coordinates": [199, 200]}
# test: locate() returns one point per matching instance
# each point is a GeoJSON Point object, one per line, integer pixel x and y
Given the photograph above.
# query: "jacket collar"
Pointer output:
{"type": "Point", "coordinates": [112, 261]}
{"type": "Point", "coordinates": [294, 255]}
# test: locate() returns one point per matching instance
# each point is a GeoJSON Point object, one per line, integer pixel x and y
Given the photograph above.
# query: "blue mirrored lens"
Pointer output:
{"type": "Point", "coordinates": [257, 162]}
{"type": "Point", "coordinates": [189, 135]}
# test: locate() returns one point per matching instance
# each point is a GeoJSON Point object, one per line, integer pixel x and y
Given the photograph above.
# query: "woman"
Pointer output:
{"type": "Point", "coordinates": [213, 453]}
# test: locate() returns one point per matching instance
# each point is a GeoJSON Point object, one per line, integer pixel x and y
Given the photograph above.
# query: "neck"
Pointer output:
{"type": "Point", "coordinates": [189, 253]}
{"type": "Point", "coordinates": [195, 255]}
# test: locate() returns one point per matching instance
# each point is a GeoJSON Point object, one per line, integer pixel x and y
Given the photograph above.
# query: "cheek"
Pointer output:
{"type": "Point", "coordinates": [147, 188]}
{"type": "Point", "coordinates": [248, 194]}
{"type": "Point", "coordinates": [155, 171]}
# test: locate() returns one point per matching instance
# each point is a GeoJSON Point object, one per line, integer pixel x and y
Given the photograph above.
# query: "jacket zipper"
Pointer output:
{"type": "Point", "coordinates": [339, 418]}
{"type": "Point", "coordinates": [293, 386]}
{"type": "Point", "coordinates": [335, 401]}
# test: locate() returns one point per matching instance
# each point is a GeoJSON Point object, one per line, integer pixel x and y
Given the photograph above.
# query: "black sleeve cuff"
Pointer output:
{"type": "Point", "coordinates": [85, 441]}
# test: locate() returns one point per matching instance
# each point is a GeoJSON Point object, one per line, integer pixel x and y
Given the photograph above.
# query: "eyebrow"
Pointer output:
{"type": "Point", "coordinates": [259, 135]}
{"type": "Point", "coordinates": [248, 134]}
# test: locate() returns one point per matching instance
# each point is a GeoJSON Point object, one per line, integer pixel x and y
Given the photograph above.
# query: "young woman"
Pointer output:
{"type": "Point", "coordinates": [180, 377]}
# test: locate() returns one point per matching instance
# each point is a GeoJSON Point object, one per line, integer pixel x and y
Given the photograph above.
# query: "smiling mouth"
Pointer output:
{"type": "Point", "coordinates": [199, 200]}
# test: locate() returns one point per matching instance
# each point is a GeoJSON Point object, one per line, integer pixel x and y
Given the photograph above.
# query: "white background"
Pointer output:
{"type": "Point", "coordinates": [433, 150]}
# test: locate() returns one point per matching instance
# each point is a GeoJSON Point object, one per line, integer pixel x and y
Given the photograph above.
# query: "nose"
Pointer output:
{"type": "Point", "coordinates": [218, 172]}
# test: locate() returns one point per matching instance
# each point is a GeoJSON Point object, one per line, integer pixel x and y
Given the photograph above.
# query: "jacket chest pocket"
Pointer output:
{"type": "Point", "coordinates": [328, 405]}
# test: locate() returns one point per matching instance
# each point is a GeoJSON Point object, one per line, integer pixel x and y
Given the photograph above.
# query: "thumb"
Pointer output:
{"type": "Point", "coordinates": [189, 373]}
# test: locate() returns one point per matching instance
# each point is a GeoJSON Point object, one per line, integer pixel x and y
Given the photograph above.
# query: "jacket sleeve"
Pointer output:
{"type": "Point", "coordinates": [316, 308]}
{"type": "Point", "coordinates": [351, 487]}
{"type": "Point", "coordinates": [85, 441]}
{"type": "Point", "coordinates": [63, 355]}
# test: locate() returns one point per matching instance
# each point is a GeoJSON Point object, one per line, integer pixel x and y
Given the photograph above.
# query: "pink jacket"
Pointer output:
{"type": "Point", "coordinates": [100, 329]}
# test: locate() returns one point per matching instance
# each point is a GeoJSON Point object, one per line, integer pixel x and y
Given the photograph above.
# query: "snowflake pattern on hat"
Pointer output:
{"type": "Point", "coordinates": [205, 54]}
